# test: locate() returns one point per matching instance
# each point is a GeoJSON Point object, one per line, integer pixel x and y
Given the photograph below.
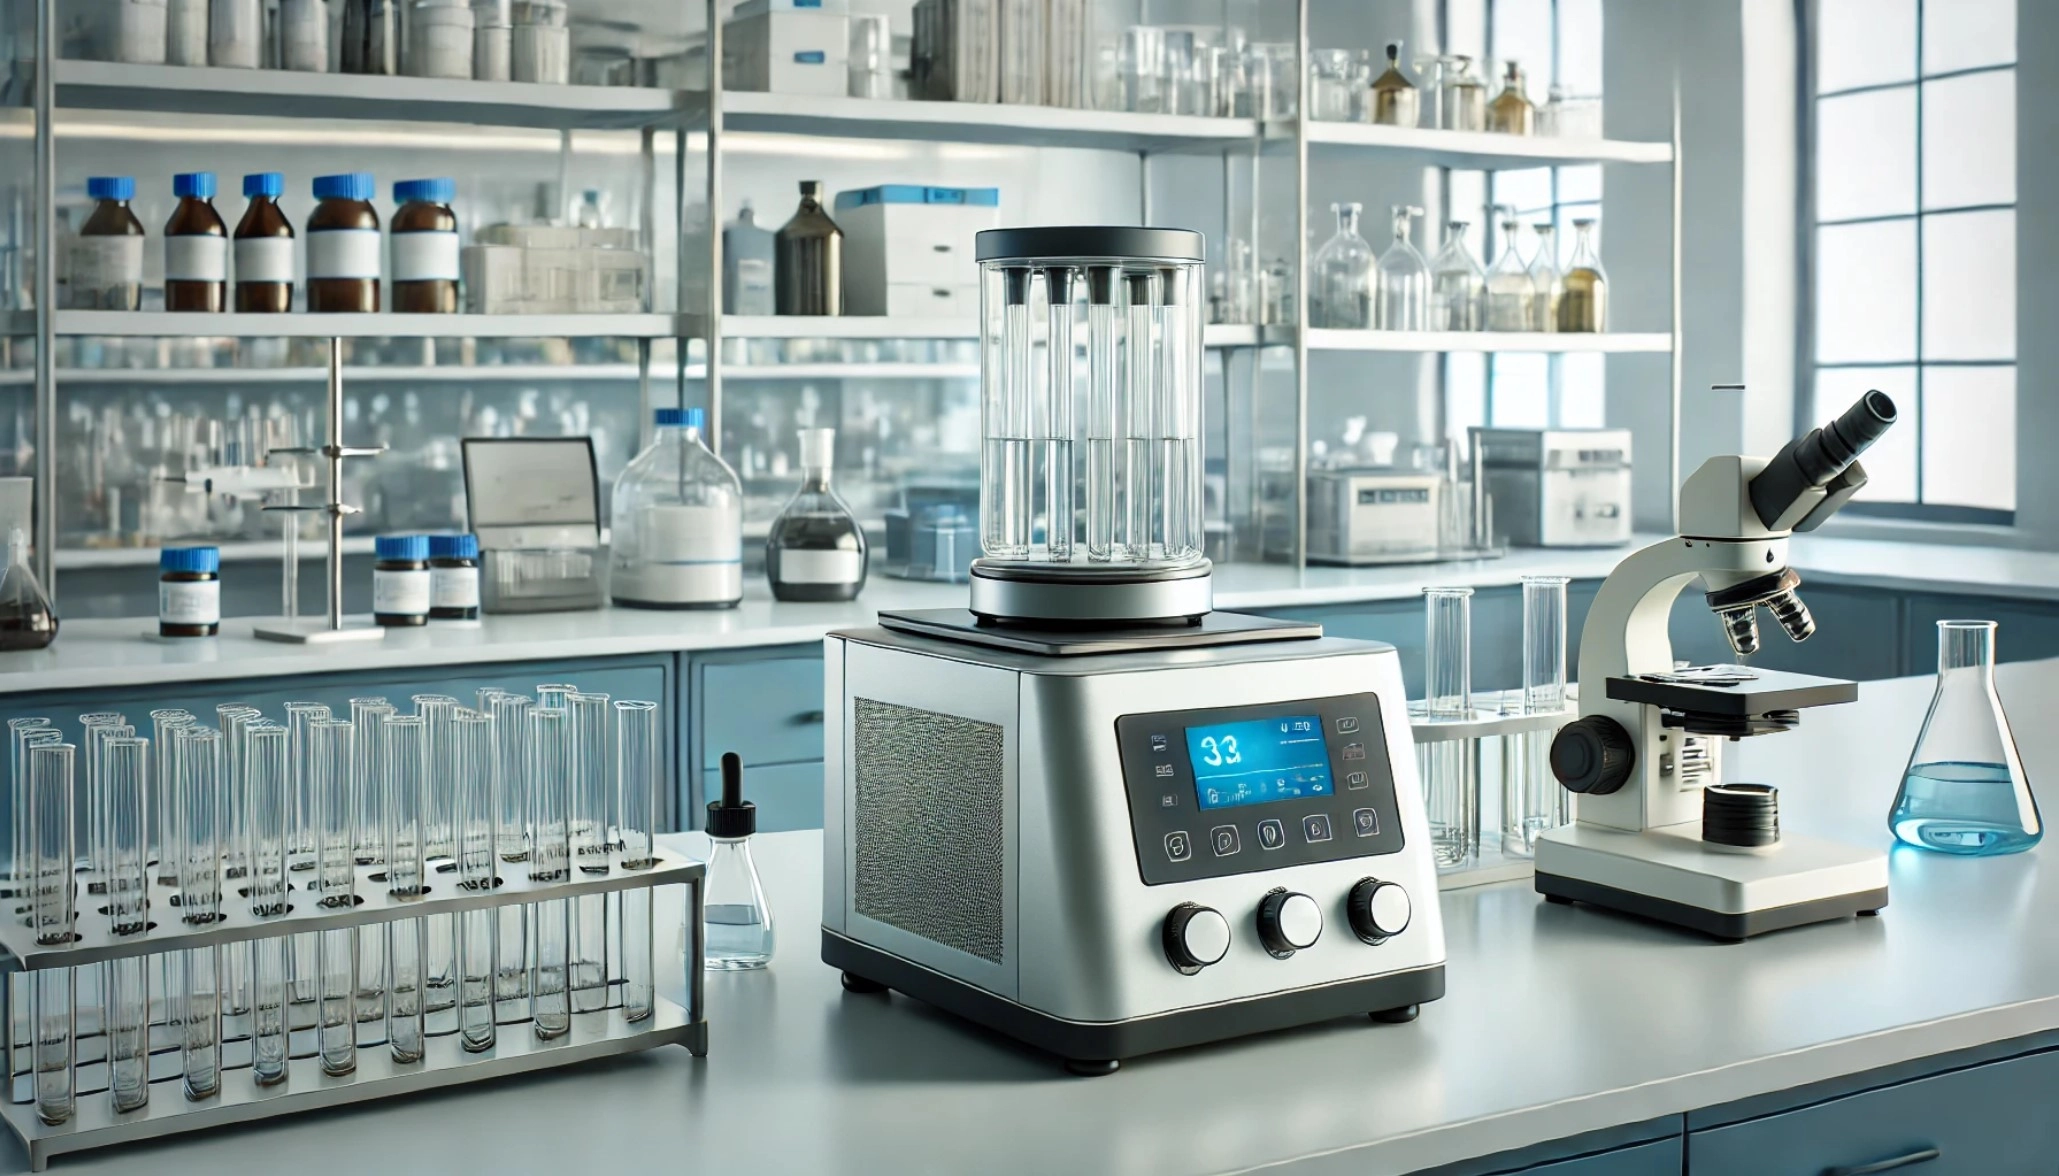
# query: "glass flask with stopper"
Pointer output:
{"type": "Point", "coordinates": [1403, 302]}
{"type": "Point", "coordinates": [26, 619]}
{"type": "Point", "coordinates": [1511, 293]}
{"type": "Point", "coordinates": [738, 921]}
{"type": "Point", "coordinates": [1965, 790]}
{"type": "Point", "coordinates": [1584, 302]}
{"type": "Point", "coordinates": [1547, 285]}
{"type": "Point", "coordinates": [1342, 294]}
{"type": "Point", "coordinates": [816, 549]}
{"type": "Point", "coordinates": [1458, 286]}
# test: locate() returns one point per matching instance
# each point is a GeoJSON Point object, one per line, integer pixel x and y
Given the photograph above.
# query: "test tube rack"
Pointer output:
{"type": "Point", "coordinates": [1495, 717]}
{"type": "Point", "coordinates": [94, 1122]}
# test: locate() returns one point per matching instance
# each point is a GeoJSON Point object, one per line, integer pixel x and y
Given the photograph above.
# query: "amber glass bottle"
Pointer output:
{"type": "Point", "coordinates": [343, 246]}
{"type": "Point", "coordinates": [103, 267]}
{"type": "Point", "coordinates": [196, 248]}
{"type": "Point", "coordinates": [423, 239]}
{"type": "Point", "coordinates": [264, 248]}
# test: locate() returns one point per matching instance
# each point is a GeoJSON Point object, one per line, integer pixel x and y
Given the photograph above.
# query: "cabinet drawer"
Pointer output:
{"type": "Point", "coordinates": [768, 712]}
{"type": "Point", "coordinates": [788, 796]}
{"type": "Point", "coordinates": [1991, 1120]}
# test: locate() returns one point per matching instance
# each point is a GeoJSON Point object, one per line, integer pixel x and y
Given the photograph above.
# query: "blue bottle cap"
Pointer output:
{"type": "Point", "coordinates": [348, 186]}
{"type": "Point", "coordinates": [692, 418]}
{"type": "Point", "coordinates": [406, 547]}
{"type": "Point", "coordinates": [199, 185]}
{"type": "Point", "coordinates": [189, 559]}
{"type": "Point", "coordinates": [111, 187]}
{"type": "Point", "coordinates": [438, 191]}
{"type": "Point", "coordinates": [453, 547]}
{"type": "Point", "coordinates": [264, 184]}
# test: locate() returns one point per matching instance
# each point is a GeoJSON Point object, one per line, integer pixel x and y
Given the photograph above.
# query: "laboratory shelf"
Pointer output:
{"type": "Point", "coordinates": [512, 373]}
{"type": "Point", "coordinates": [979, 122]}
{"type": "Point", "coordinates": [847, 326]}
{"type": "Point", "coordinates": [1472, 149]}
{"type": "Point", "coordinates": [172, 324]}
{"type": "Point", "coordinates": [276, 93]}
{"type": "Point", "coordinates": [1608, 343]}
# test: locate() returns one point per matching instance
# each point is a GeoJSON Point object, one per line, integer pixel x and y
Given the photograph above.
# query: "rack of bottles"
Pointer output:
{"type": "Point", "coordinates": [213, 924]}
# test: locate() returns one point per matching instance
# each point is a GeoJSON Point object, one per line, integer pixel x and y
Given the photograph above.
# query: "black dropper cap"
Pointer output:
{"type": "Point", "coordinates": [732, 816]}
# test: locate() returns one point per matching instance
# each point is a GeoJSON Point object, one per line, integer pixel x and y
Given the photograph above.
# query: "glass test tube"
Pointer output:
{"type": "Point", "coordinates": [125, 764]}
{"type": "Point", "coordinates": [164, 806]}
{"type": "Point", "coordinates": [1005, 420]}
{"type": "Point", "coordinates": [54, 847]}
{"type": "Point", "coordinates": [1103, 412]}
{"type": "Point", "coordinates": [197, 758]}
{"type": "Point", "coordinates": [336, 886]}
{"type": "Point", "coordinates": [588, 830]}
{"type": "Point", "coordinates": [92, 815]}
{"type": "Point", "coordinates": [472, 750]}
{"type": "Point", "coordinates": [1139, 429]}
{"type": "Point", "coordinates": [639, 765]}
{"type": "Point", "coordinates": [18, 861]}
{"type": "Point", "coordinates": [550, 860]}
{"type": "Point", "coordinates": [1450, 788]}
{"type": "Point", "coordinates": [1055, 420]}
{"type": "Point", "coordinates": [21, 997]}
{"type": "Point", "coordinates": [511, 784]}
{"type": "Point", "coordinates": [233, 721]}
{"type": "Point", "coordinates": [1531, 800]}
{"type": "Point", "coordinates": [1178, 420]}
{"type": "Point", "coordinates": [439, 932]}
{"type": "Point", "coordinates": [268, 774]}
{"type": "Point", "coordinates": [402, 766]}
{"type": "Point", "coordinates": [369, 715]}
{"type": "Point", "coordinates": [483, 698]}
{"type": "Point", "coordinates": [553, 694]}
{"type": "Point", "coordinates": [304, 950]}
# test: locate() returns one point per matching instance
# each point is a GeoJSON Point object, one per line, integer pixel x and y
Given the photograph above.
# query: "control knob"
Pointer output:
{"type": "Point", "coordinates": [1288, 922]}
{"type": "Point", "coordinates": [1379, 910]}
{"type": "Point", "coordinates": [1593, 755]}
{"type": "Point", "coordinates": [1195, 937]}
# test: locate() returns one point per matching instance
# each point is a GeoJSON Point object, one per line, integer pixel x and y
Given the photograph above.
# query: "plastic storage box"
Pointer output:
{"type": "Point", "coordinates": [908, 248]}
{"type": "Point", "coordinates": [787, 50]}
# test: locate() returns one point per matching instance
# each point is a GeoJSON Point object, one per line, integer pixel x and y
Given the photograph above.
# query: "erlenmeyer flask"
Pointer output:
{"type": "Point", "coordinates": [1510, 292]}
{"type": "Point", "coordinates": [1458, 286]}
{"type": "Point", "coordinates": [1546, 284]}
{"type": "Point", "coordinates": [26, 619]}
{"type": "Point", "coordinates": [1403, 301]}
{"type": "Point", "coordinates": [1342, 293]}
{"type": "Point", "coordinates": [1965, 791]}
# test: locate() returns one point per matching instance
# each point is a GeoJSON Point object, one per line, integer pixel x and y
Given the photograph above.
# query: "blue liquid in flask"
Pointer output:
{"type": "Point", "coordinates": [1970, 809]}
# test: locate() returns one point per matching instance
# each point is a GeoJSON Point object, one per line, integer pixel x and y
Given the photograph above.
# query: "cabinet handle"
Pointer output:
{"type": "Point", "coordinates": [1922, 1155]}
{"type": "Point", "coordinates": [808, 718]}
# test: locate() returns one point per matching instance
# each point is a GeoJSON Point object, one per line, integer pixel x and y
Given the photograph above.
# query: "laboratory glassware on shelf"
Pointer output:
{"type": "Point", "coordinates": [739, 920]}
{"type": "Point", "coordinates": [1345, 285]}
{"type": "Point", "coordinates": [1329, 85]}
{"type": "Point", "coordinates": [808, 276]}
{"type": "Point", "coordinates": [816, 548]}
{"type": "Point", "coordinates": [1511, 112]}
{"type": "Point", "coordinates": [1511, 292]}
{"type": "Point", "coordinates": [1402, 301]}
{"type": "Point", "coordinates": [1458, 286]}
{"type": "Point", "coordinates": [1965, 790]}
{"type": "Point", "coordinates": [1584, 305]}
{"type": "Point", "coordinates": [1570, 116]}
{"type": "Point", "coordinates": [1465, 97]}
{"type": "Point", "coordinates": [27, 618]}
{"type": "Point", "coordinates": [1547, 285]}
{"type": "Point", "coordinates": [678, 522]}
{"type": "Point", "coordinates": [1394, 99]}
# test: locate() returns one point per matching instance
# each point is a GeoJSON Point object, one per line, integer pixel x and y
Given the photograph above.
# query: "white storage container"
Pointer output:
{"type": "Point", "coordinates": [788, 52]}
{"type": "Point", "coordinates": [906, 245]}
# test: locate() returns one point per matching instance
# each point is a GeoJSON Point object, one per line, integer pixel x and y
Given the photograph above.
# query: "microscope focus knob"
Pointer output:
{"type": "Point", "coordinates": [1593, 756]}
{"type": "Point", "coordinates": [1379, 910]}
{"type": "Point", "coordinates": [1195, 937]}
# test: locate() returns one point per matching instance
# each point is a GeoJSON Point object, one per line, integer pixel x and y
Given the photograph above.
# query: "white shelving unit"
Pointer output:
{"type": "Point", "coordinates": [1468, 149]}
{"type": "Point", "coordinates": [492, 374]}
{"type": "Point", "coordinates": [1611, 343]}
{"type": "Point", "coordinates": [981, 122]}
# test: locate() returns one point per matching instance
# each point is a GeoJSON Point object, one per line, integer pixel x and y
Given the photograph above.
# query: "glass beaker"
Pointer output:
{"type": "Point", "coordinates": [1584, 302]}
{"type": "Point", "coordinates": [1329, 85]}
{"type": "Point", "coordinates": [1510, 291]}
{"type": "Point", "coordinates": [1458, 286]}
{"type": "Point", "coordinates": [1546, 284]}
{"type": "Point", "coordinates": [1965, 790]}
{"type": "Point", "coordinates": [1342, 293]}
{"type": "Point", "coordinates": [1531, 800]}
{"type": "Point", "coordinates": [1450, 786]}
{"type": "Point", "coordinates": [1403, 299]}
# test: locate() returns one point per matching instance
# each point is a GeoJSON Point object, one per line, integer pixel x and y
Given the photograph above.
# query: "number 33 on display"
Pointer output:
{"type": "Point", "coordinates": [1217, 752]}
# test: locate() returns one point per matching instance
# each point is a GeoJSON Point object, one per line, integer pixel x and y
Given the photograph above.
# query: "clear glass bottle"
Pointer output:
{"type": "Point", "coordinates": [1511, 112]}
{"type": "Point", "coordinates": [103, 261]}
{"type": "Point", "coordinates": [1465, 98]}
{"type": "Point", "coordinates": [1458, 286]}
{"type": "Point", "coordinates": [1546, 284]}
{"type": "Point", "coordinates": [27, 621]}
{"type": "Point", "coordinates": [816, 549]}
{"type": "Point", "coordinates": [1342, 293]}
{"type": "Point", "coordinates": [1394, 99]}
{"type": "Point", "coordinates": [678, 522]}
{"type": "Point", "coordinates": [1329, 84]}
{"type": "Point", "coordinates": [1965, 790]}
{"type": "Point", "coordinates": [1510, 292]}
{"type": "Point", "coordinates": [1403, 299]}
{"type": "Point", "coordinates": [1584, 303]}
{"type": "Point", "coordinates": [738, 919]}
{"type": "Point", "coordinates": [809, 277]}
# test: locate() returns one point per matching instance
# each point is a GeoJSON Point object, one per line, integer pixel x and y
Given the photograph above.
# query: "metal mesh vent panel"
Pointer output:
{"type": "Point", "coordinates": [928, 847]}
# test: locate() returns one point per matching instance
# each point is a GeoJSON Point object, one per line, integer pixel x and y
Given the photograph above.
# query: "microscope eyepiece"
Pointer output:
{"type": "Point", "coordinates": [1816, 458]}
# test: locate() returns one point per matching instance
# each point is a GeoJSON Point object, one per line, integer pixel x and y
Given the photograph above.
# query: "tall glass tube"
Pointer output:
{"type": "Point", "coordinates": [553, 694]}
{"type": "Point", "coordinates": [54, 845]}
{"type": "Point", "coordinates": [403, 767]}
{"type": "Point", "coordinates": [472, 748]}
{"type": "Point", "coordinates": [1176, 423]}
{"type": "Point", "coordinates": [18, 861]}
{"type": "Point", "coordinates": [164, 801]}
{"type": "Point", "coordinates": [369, 715]}
{"type": "Point", "coordinates": [89, 997]}
{"type": "Point", "coordinates": [21, 997]}
{"type": "Point", "coordinates": [511, 767]}
{"type": "Point", "coordinates": [125, 764]}
{"type": "Point", "coordinates": [1005, 415]}
{"type": "Point", "coordinates": [198, 760]}
{"type": "Point", "coordinates": [439, 963]}
{"type": "Point", "coordinates": [304, 950]}
{"type": "Point", "coordinates": [1139, 508]}
{"type": "Point", "coordinates": [550, 860]}
{"type": "Point", "coordinates": [268, 773]}
{"type": "Point", "coordinates": [1103, 412]}
{"type": "Point", "coordinates": [233, 720]}
{"type": "Point", "coordinates": [335, 886]}
{"type": "Point", "coordinates": [639, 766]}
{"type": "Point", "coordinates": [1531, 800]}
{"type": "Point", "coordinates": [589, 834]}
{"type": "Point", "coordinates": [1055, 419]}
{"type": "Point", "coordinates": [1450, 785]}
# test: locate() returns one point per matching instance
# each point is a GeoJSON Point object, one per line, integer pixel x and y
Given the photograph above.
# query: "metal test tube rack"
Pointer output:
{"type": "Point", "coordinates": [95, 1124]}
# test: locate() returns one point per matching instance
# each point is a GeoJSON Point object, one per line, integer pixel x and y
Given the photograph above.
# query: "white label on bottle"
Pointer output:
{"type": "Point", "coordinates": [189, 602]}
{"type": "Point", "coordinates": [453, 587]}
{"type": "Point", "coordinates": [425, 257]}
{"type": "Point", "coordinates": [404, 594]}
{"type": "Point", "coordinates": [95, 264]}
{"type": "Point", "coordinates": [821, 567]}
{"type": "Point", "coordinates": [679, 583]}
{"type": "Point", "coordinates": [343, 253]}
{"type": "Point", "coordinates": [196, 257]}
{"type": "Point", "coordinates": [691, 534]}
{"type": "Point", "coordinates": [264, 259]}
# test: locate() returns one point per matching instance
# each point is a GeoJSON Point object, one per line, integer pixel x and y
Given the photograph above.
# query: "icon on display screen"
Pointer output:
{"type": "Point", "coordinates": [1259, 760]}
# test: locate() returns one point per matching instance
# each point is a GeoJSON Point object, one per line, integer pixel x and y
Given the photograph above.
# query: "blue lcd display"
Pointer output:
{"type": "Point", "coordinates": [1259, 761]}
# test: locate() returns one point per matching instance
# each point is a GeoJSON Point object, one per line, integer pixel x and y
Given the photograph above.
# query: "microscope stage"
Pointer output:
{"type": "Point", "coordinates": [1763, 692]}
{"type": "Point", "coordinates": [1671, 875]}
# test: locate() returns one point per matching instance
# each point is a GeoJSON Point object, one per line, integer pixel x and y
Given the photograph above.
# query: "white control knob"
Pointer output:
{"type": "Point", "coordinates": [1195, 937]}
{"type": "Point", "coordinates": [1379, 910]}
{"type": "Point", "coordinates": [1289, 922]}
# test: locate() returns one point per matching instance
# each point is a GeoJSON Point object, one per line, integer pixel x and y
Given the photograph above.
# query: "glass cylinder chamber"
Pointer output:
{"type": "Point", "coordinates": [1090, 414]}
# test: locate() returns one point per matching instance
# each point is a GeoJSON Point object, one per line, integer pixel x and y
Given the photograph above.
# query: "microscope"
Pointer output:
{"type": "Point", "coordinates": [1655, 834]}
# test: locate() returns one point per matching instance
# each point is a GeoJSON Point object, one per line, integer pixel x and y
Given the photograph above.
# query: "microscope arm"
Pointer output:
{"type": "Point", "coordinates": [1626, 628]}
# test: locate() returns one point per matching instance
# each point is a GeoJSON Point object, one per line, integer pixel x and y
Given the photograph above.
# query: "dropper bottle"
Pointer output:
{"type": "Point", "coordinates": [739, 921]}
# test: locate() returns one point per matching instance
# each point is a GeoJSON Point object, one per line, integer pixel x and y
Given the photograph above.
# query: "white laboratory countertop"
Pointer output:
{"type": "Point", "coordinates": [1558, 1021]}
{"type": "Point", "coordinates": [91, 653]}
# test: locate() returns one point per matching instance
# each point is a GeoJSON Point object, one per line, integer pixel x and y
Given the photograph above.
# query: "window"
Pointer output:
{"type": "Point", "coordinates": [1559, 43]}
{"type": "Point", "coordinates": [1910, 224]}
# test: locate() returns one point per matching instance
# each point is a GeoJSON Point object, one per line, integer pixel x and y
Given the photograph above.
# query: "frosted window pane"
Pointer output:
{"type": "Point", "coordinates": [1465, 392]}
{"type": "Point", "coordinates": [1580, 46]}
{"type": "Point", "coordinates": [1527, 191]}
{"type": "Point", "coordinates": [1864, 43]}
{"type": "Point", "coordinates": [1522, 391]}
{"type": "Point", "coordinates": [1961, 34]}
{"type": "Point", "coordinates": [1522, 33]}
{"type": "Point", "coordinates": [1969, 285]}
{"type": "Point", "coordinates": [1866, 292]}
{"type": "Point", "coordinates": [1969, 140]}
{"type": "Point", "coordinates": [1866, 154]}
{"type": "Point", "coordinates": [1583, 391]}
{"type": "Point", "coordinates": [1891, 463]}
{"type": "Point", "coordinates": [1969, 437]}
{"type": "Point", "coordinates": [1579, 184]}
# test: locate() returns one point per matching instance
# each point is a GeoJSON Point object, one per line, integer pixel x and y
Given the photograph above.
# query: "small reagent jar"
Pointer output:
{"type": "Point", "coordinates": [189, 592]}
{"type": "Point", "coordinates": [343, 246]}
{"type": "Point", "coordinates": [264, 248]}
{"type": "Point", "coordinates": [196, 248]}
{"type": "Point", "coordinates": [453, 577]}
{"type": "Point", "coordinates": [423, 241]}
{"type": "Point", "coordinates": [400, 580]}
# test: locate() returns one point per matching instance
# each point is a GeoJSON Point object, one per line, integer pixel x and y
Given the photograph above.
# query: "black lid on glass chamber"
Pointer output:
{"type": "Point", "coordinates": [1118, 241]}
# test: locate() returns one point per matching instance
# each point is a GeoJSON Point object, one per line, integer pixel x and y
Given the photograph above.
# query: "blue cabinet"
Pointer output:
{"type": "Point", "coordinates": [767, 706]}
{"type": "Point", "coordinates": [1659, 1158]}
{"type": "Point", "coordinates": [1497, 633]}
{"type": "Point", "coordinates": [788, 796]}
{"type": "Point", "coordinates": [2028, 629]}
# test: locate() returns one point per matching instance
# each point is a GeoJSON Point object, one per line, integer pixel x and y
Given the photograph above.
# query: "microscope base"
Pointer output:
{"type": "Point", "coordinates": [1669, 875]}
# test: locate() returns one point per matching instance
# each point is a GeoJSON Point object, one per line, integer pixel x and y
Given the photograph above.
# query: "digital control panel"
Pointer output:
{"type": "Point", "coordinates": [1237, 790]}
